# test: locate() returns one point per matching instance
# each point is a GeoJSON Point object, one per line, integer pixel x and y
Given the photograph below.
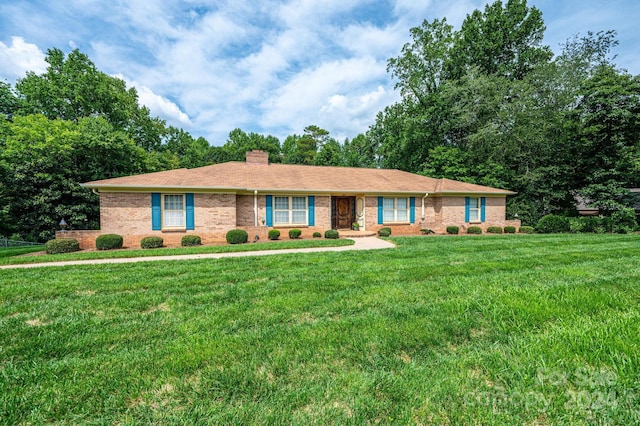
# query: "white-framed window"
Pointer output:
{"type": "Point", "coordinates": [474, 209]}
{"type": "Point", "coordinates": [395, 210]}
{"type": "Point", "coordinates": [290, 210]}
{"type": "Point", "coordinates": [173, 211]}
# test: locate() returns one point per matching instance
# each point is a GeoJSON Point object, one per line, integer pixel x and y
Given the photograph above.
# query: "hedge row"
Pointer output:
{"type": "Point", "coordinates": [453, 230]}
{"type": "Point", "coordinates": [622, 221]}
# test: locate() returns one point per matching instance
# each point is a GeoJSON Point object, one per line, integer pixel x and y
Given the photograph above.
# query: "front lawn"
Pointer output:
{"type": "Point", "coordinates": [539, 329]}
{"type": "Point", "coordinates": [18, 251]}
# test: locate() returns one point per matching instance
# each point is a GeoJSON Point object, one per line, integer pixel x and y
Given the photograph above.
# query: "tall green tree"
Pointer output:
{"type": "Point", "coordinates": [240, 142]}
{"type": "Point", "coordinates": [43, 162]}
{"type": "Point", "coordinates": [303, 149]}
{"type": "Point", "coordinates": [608, 145]}
{"type": "Point", "coordinates": [360, 152]}
{"type": "Point", "coordinates": [72, 88]}
{"type": "Point", "coordinates": [505, 39]}
{"type": "Point", "coordinates": [9, 100]}
{"type": "Point", "coordinates": [331, 154]}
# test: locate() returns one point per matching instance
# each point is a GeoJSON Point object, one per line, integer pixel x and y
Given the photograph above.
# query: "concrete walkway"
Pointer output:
{"type": "Point", "coordinates": [366, 243]}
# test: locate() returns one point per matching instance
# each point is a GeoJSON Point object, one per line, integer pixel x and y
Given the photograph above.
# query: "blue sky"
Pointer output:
{"type": "Point", "coordinates": [272, 66]}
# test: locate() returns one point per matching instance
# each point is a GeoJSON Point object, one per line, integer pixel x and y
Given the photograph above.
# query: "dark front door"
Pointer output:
{"type": "Point", "coordinates": [343, 212]}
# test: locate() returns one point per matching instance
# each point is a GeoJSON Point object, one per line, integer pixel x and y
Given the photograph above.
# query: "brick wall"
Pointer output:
{"type": "Point", "coordinates": [371, 219]}
{"type": "Point", "coordinates": [86, 239]}
{"type": "Point", "coordinates": [129, 214]}
{"type": "Point", "coordinates": [450, 211]}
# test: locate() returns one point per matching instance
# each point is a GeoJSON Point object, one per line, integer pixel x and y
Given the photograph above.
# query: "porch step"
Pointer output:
{"type": "Point", "coordinates": [346, 233]}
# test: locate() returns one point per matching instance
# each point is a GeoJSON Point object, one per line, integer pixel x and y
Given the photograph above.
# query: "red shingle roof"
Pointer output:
{"type": "Point", "coordinates": [239, 176]}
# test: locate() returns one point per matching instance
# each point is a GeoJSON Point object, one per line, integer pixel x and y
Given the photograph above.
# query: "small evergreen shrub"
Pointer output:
{"type": "Point", "coordinates": [274, 234]}
{"type": "Point", "coordinates": [606, 224]}
{"type": "Point", "coordinates": [553, 224]}
{"type": "Point", "coordinates": [151, 242]}
{"type": "Point", "coordinates": [384, 232]}
{"type": "Point", "coordinates": [62, 245]}
{"type": "Point", "coordinates": [526, 230]}
{"type": "Point", "coordinates": [476, 230]}
{"type": "Point", "coordinates": [576, 225]}
{"type": "Point", "coordinates": [624, 221]}
{"type": "Point", "coordinates": [592, 224]}
{"type": "Point", "coordinates": [317, 235]}
{"type": "Point", "coordinates": [190, 241]}
{"type": "Point", "coordinates": [294, 233]}
{"type": "Point", "coordinates": [509, 229]}
{"type": "Point", "coordinates": [452, 229]}
{"type": "Point", "coordinates": [494, 230]}
{"type": "Point", "coordinates": [237, 236]}
{"type": "Point", "coordinates": [331, 234]}
{"type": "Point", "coordinates": [109, 242]}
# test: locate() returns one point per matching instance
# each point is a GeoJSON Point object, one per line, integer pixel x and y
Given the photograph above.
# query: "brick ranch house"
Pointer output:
{"type": "Point", "coordinates": [258, 196]}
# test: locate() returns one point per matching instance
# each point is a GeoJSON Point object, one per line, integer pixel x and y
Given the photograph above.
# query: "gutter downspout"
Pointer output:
{"type": "Point", "coordinates": [255, 208]}
{"type": "Point", "coordinates": [425, 196]}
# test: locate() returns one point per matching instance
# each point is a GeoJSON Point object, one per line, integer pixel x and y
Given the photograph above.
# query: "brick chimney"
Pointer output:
{"type": "Point", "coordinates": [257, 157]}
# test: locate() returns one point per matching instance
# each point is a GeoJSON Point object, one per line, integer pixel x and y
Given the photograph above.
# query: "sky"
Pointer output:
{"type": "Point", "coordinates": [273, 66]}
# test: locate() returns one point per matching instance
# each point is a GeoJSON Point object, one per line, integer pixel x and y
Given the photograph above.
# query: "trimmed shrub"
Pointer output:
{"type": "Point", "coordinates": [592, 224]}
{"type": "Point", "coordinates": [317, 235]}
{"type": "Point", "coordinates": [237, 236]}
{"type": "Point", "coordinates": [494, 230]}
{"type": "Point", "coordinates": [62, 245]}
{"type": "Point", "coordinates": [190, 241]}
{"type": "Point", "coordinates": [384, 232]}
{"type": "Point", "coordinates": [109, 242]}
{"type": "Point", "coordinates": [576, 225]}
{"type": "Point", "coordinates": [624, 221]}
{"type": "Point", "coordinates": [553, 224]}
{"type": "Point", "coordinates": [476, 230]}
{"type": "Point", "coordinates": [526, 230]}
{"type": "Point", "coordinates": [509, 229]}
{"type": "Point", "coordinates": [151, 242]}
{"type": "Point", "coordinates": [331, 234]}
{"type": "Point", "coordinates": [452, 229]}
{"type": "Point", "coordinates": [274, 234]}
{"type": "Point", "coordinates": [294, 233]}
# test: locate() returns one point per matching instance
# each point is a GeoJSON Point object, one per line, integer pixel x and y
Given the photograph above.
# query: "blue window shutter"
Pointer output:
{"type": "Point", "coordinates": [156, 214]}
{"type": "Point", "coordinates": [312, 213]}
{"type": "Point", "coordinates": [483, 202]}
{"type": "Point", "coordinates": [189, 212]}
{"type": "Point", "coordinates": [412, 209]}
{"type": "Point", "coordinates": [380, 211]}
{"type": "Point", "coordinates": [466, 209]}
{"type": "Point", "coordinates": [269, 210]}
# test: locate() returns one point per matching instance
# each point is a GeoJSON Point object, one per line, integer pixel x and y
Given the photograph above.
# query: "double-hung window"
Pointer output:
{"type": "Point", "coordinates": [290, 210]}
{"type": "Point", "coordinates": [173, 211]}
{"type": "Point", "coordinates": [474, 209]}
{"type": "Point", "coordinates": [395, 210]}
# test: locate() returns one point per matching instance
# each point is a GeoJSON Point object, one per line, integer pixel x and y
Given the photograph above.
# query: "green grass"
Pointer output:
{"type": "Point", "coordinates": [486, 330]}
{"type": "Point", "coordinates": [18, 251]}
{"type": "Point", "coordinates": [168, 251]}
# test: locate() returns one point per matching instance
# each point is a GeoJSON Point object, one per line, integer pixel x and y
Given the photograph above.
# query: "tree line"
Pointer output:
{"type": "Point", "coordinates": [487, 104]}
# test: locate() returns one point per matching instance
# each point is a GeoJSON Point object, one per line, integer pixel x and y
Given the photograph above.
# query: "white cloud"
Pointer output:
{"type": "Point", "coordinates": [273, 66]}
{"type": "Point", "coordinates": [355, 111]}
{"type": "Point", "coordinates": [158, 105]}
{"type": "Point", "coordinates": [335, 96]}
{"type": "Point", "coordinates": [20, 57]}
{"type": "Point", "coordinates": [162, 107]}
